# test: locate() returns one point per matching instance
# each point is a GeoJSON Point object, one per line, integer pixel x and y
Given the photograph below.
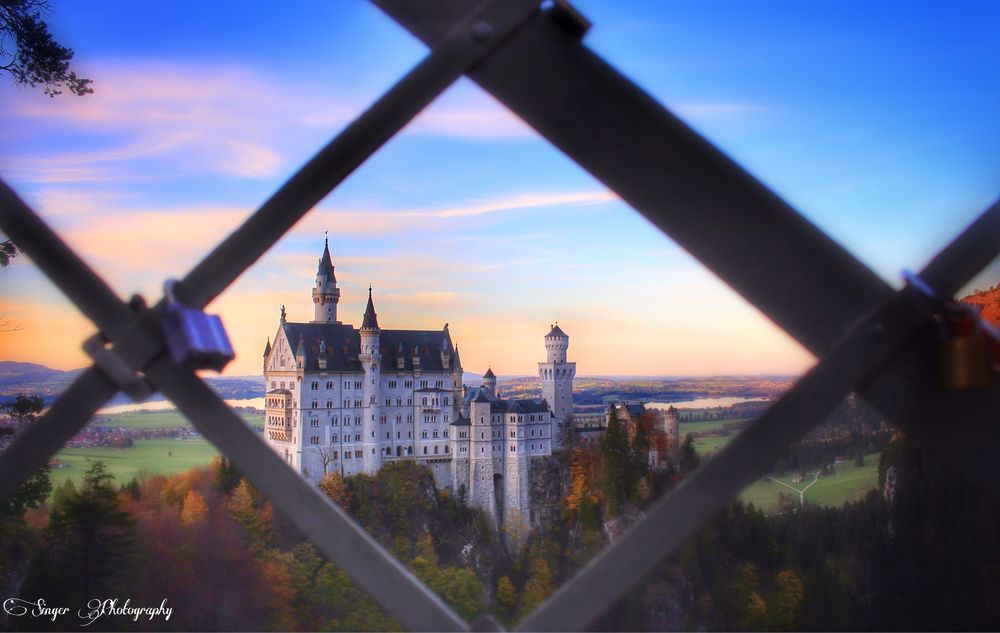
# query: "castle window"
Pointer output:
{"type": "Point", "coordinates": [409, 434]}
{"type": "Point", "coordinates": [435, 434]}
{"type": "Point", "coordinates": [329, 404]}
{"type": "Point", "coordinates": [329, 384]}
{"type": "Point", "coordinates": [513, 433]}
{"type": "Point", "coordinates": [357, 384]}
{"type": "Point", "coordinates": [399, 435]}
{"type": "Point", "coordinates": [424, 401]}
{"type": "Point", "coordinates": [425, 450]}
{"type": "Point", "coordinates": [435, 450]}
{"type": "Point", "coordinates": [408, 384]}
{"type": "Point", "coordinates": [409, 418]}
{"type": "Point", "coordinates": [347, 454]}
{"type": "Point", "coordinates": [272, 384]}
{"type": "Point", "coordinates": [423, 384]}
{"type": "Point", "coordinates": [358, 454]}
{"type": "Point", "coordinates": [399, 402]}
{"type": "Point", "coordinates": [372, 400]}
{"type": "Point", "coordinates": [373, 434]}
{"type": "Point", "coordinates": [392, 384]}
{"type": "Point", "coordinates": [388, 436]}
{"type": "Point", "coordinates": [314, 440]}
{"type": "Point", "coordinates": [482, 449]}
{"type": "Point", "coordinates": [423, 434]}
{"type": "Point", "coordinates": [513, 449]}
{"type": "Point", "coordinates": [334, 423]}
{"type": "Point", "coordinates": [447, 449]}
{"type": "Point", "coordinates": [446, 433]}
{"type": "Point", "coordinates": [381, 419]}
{"type": "Point", "coordinates": [388, 402]}
{"type": "Point", "coordinates": [357, 438]}
{"type": "Point", "coordinates": [282, 384]}
{"type": "Point", "coordinates": [446, 402]}
{"type": "Point", "coordinates": [439, 384]}
{"type": "Point", "coordinates": [409, 450]}
{"type": "Point", "coordinates": [347, 403]}
{"type": "Point", "coordinates": [315, 404]}
{"type": "Point", "coordinates": [446, 417]}
{"type": "Point", "coordinates": [347, 384]}
{"type": "Point", "coordinates": [333, 438]}
{"type": "Point", "coordinates": [409, 401]}
{"type": "Point", "coordinates": [314, 423]}
{"type": "Point", "coordinates": [336, 455]}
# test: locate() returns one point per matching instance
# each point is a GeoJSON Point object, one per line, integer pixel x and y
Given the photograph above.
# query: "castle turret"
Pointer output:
{"type": "Point", "coordinates": [267, 352]}
{"type": "Point", "coordinates": [325, 294]}
{"type": "Point", "coordinates": [370, 358]}
{"type": "Point", "coordinates": [481, 481]}
{"type": "Point", "coordinates": [557, 383]}
{"type": "Point", "coordinates": [490, 381]}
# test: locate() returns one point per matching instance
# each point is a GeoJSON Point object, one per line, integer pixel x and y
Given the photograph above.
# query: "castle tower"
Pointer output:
{"type": "Point", "coordinates": [516, 498]}
{"type": "Point", "coordinates": [490, 381]}
{"type": "Point", "coordinates": [325, 294]}
{"type": "Point", "coordinates": [557, 383]}
{"type": "Point", "coordinates": [481, 486]}
{"type": "Point", "coordinates": [370, 358]}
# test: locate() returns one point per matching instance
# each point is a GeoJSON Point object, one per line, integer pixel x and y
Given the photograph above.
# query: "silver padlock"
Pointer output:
{"type": "Point", "coordinates": [195, 339]}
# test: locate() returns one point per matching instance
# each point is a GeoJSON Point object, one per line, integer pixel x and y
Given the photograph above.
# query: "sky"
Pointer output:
{"type": "Point", "coordinates": [876, 120]}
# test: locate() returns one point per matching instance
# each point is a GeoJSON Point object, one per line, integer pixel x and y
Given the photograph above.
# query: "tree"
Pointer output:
{"type": "Point", "coordinates": [90, 538]}
{"type": "Point", "coordinates": [506, 595]}
{"type": "Point", "coordinates": [8, 251]}
{"type": "Point", "coordinates": [689, 456]}
{"type": "Point", "coordinates": [538, 587]}
{"type": "Point", "coordinates": [23, 408]}
{"type": "Point", "coordinates": [614, 464]}
{"type": "Point", "coordinates": [787, 601]}
{"type": "Point", "coordinates": [334, 486]}
{"type": "Point", "coordinates": [33, 57]}
{"type": "Point", "coordinates": [326, 454]}
{"type": "Point", "coordinates": [194, 509]}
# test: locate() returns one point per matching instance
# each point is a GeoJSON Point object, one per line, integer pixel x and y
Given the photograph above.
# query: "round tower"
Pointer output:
{"type": "Point", "coordinates": [557, 384]}
{"type": "Point", "coordinates": [325, 294]}
{"type": "Point", "coordinates": [490, 381]}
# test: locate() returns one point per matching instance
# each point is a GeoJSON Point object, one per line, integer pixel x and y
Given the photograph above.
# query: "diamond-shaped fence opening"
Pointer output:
{"type": "Point", "coordinates": [870, 339]}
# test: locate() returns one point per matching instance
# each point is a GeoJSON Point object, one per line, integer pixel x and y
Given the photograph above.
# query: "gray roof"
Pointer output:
{"type": "Point", "coordinates": [343, 343]}
{"type": "Point", "coordinates": [370, 320]}
{"type": "Point", "coordinates": [489, 373]}
{"type": "Point", "coordinates": [267, 348]}
{"type": "Point", "coordinates": [510, 405]}
{"type": "Point", "coordinates": [555, 331]}
{"type": "Point", "coordinates": [461, 422]}
{"type": "Point", "coordinates": [326, 263]}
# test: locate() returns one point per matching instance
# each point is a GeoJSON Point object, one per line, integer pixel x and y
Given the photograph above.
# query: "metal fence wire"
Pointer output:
{"type": "Point", "coordinates": [870, 338]}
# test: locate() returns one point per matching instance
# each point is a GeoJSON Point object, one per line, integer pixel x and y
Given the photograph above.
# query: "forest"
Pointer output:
{"type": "Point", "coordinates": [921, 553]}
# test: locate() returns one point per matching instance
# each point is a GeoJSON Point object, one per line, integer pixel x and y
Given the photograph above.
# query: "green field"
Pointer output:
{"type": "Point", "coordinates": [708, 443]}
{"type": "Point", "coordinates": [162, 457]}
{"type": "Point", "coordinates": [162, 419]}
{"type": "Point", "coordinates": [709, 425]}
{"type": "Point", "coordinates": [849, 484]}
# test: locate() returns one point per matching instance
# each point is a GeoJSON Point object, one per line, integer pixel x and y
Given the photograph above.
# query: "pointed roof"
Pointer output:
{"type": "Point", "coordinates": [458, 359]}
{"type": "Point", "coordinates": [267, 348]}
{"type": "Point", "coordinates": [555, 331]}
{"type": "Point", "coordinates": [326, 263]}
{"type": "Point", "coordinates": [489, 373]}
{"type": "Point", "coordinates": [370, 320]}
{"type": "Point", "coordinates": [301, 349]}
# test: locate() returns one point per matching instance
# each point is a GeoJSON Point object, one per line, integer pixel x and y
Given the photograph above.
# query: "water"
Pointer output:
{"type": "Point", "coordinates": [702, 403]}
{"type": "Point", "coordinates": [166, 405]}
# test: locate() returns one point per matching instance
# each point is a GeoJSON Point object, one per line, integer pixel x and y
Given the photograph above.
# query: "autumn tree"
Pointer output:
{"type": "Point", "coordinates": [538, 587]}
{"type": "Point", "coordinates": [194, 508]}
{"type": "Point", "coordinates": [786, 602]}
{"type": "Point", "coordinates": [506, 595]}
{"type": "Point", "coordinates": [333, 485]}
{"type": "Point", "coordinates": [253, 514]}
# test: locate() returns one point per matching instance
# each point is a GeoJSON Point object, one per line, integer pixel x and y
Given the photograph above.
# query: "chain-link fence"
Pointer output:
{"type": "Point", "coordinates": [870, 338]}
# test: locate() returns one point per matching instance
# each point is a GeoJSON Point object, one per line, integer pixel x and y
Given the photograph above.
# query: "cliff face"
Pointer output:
{"type": "Point", "coordinates": [549, 477]}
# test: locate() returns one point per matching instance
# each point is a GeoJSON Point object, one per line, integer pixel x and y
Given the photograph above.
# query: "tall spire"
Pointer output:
{"type": "Point", "coordinates": [325, 294]}
{"type": "Point", "coordinates": [370, 320]}
{"type": "Point", "coordinates": [326, 262]}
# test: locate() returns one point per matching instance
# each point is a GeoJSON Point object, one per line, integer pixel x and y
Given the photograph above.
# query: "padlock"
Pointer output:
{"type": "Point", "coordinates": [195, 339]}
{"type": "Point", "coordinates": [965, 355]}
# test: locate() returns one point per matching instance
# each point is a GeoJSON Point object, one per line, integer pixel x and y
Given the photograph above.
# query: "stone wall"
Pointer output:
{"type": "Point", "coordinates": [549, 477]}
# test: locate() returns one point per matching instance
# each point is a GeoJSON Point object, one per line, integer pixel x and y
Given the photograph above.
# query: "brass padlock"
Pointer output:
{"type": "Point", "coordinates": [965, 354]}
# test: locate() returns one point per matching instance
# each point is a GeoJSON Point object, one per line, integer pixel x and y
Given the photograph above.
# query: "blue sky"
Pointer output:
{"type": "Point", "coordinates": [876, 120]}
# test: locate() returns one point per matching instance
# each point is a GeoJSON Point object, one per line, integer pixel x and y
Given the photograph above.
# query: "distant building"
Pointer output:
{"type": "Point", "coordinates": [664, 429]}
{"type": "Point", "coordinates": [348, 400]}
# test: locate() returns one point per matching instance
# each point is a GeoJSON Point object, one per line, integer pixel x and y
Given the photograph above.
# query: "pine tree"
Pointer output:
{"type": "Point", "coordinates": [614, 465]}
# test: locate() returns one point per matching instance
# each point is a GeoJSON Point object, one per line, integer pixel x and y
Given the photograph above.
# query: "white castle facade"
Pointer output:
{"type": "Point", "coordinates": [348, 400]}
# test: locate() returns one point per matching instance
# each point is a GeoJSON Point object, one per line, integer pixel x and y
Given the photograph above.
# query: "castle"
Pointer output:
{"type": "Point", "coordinates": [348, 400]}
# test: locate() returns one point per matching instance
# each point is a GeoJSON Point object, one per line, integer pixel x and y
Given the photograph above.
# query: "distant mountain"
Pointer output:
{"type": "Point", "coordinates": [17, 377]}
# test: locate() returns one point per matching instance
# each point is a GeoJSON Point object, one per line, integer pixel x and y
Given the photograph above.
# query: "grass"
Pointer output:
{"type": "Point", "coordinates": [707, 425]}
{"type": "Point", "coordinates": [849, 484]}
{"type": "Point", "coordinates": [162, 419]}
{"type": "Point", "coordinates": [161, 457]}
{"type": "Point", "coordinates": [710, 443]}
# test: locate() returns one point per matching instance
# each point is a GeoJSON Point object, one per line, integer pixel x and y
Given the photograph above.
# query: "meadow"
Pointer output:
{"type": "Point", "coordinates": [849, 484]}
{"type": "Point", "coordinates": [159, 457]}
{"type": "Point", "coordinates": [161, 420]}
